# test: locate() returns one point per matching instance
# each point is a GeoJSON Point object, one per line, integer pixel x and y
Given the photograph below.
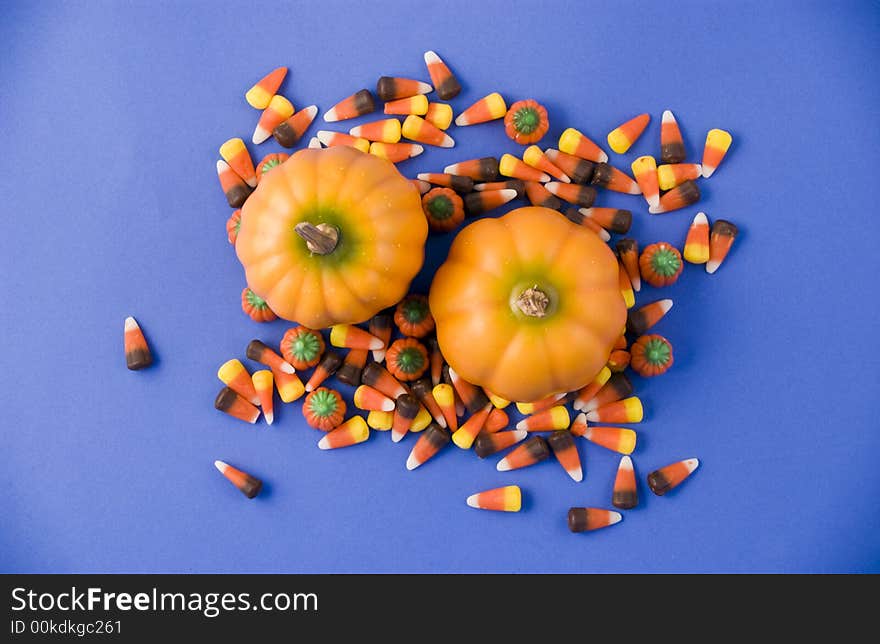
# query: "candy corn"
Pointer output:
{"type": "Point", "coordinates": [330, 139]}
{"type": "Point", "coordinates": [234, 187]}
{"type": "Point", "coordinates": [618, 360]}
{"type": "Point", "coordinates": [405, 410]}
{"type": "Point", "coordinates": [538, 195]}
{"type": "Point", "coordinates": [573, 193]}
{"type": "Point", "coordinates": [432, 441]}
{"type": "Point", "coordinates": [495, 399]}
{"type": "Point", "coordinates": [380, 327]}
{"type": "Point", "coordinates": [674, 174]}
{"type": "Point", "coordinates": [260, 95]}
{"type": "Point", "coordinates": [367, 398]}
{"type": "Point", "coordinates": [538, 405]}
{"type": "Point", "coordinates": [231, 403]}
{"type": "Point", "coordinates": [617, 439]}
{"type": "Point", "coordinates": [278, 111]}
{"type": "Point", "coordinates": [679, 197]}
{"type": "Point", "coordinates": [315, 143]}
{"type": "Point", "coordinates": [644, 318]}
{"type": "Point", "coordinates": [472, 396]}
{"type": "Point", "coordinates": [625, 495]}
{"type": "Point", "coordinates": [488, 108]}
{"type": "Point", "coordinates": [410, 105]}
{"type": "Point", "coordinates": [289, 132]}
{"type": "Point", "coordinates": [385, 131]}
{"type": "Point", "coordinates": [532, 451]}
{"type": "Point", "coordinates": [137, 352]}
{"type": "Point", "coordinates": [396, 152]}
{"type": "Point", "coordinates": [464, 436]}
{"type": "Point", "coordinates": [439, 115]}
{"type": "Point", "coordinates": [422, 186]}
{"type": "Point", "coordinates": [477, 203]}
{"type": "Point", "coordinates": [496, 421]}
{"type": "Point", "coordinates": [717, 144]}
{"type": "Point", "coordinates": [696, 246]}
{"type": "Point", "coordinates": [534, 157]}
{"type": "Point", "coordinates": [436, 361]}
{"type": "Point", "coordinates": [628, 410]}
{"type": "Point", "coordinates": [645, 171]}
{"type": "Point", "coordinates": [289, 386]}
{"type": "Point", "coordinates": [621, 342]}
{"type": "Point", "coordinates": [669, 477]}
{"type": "Point", "coordinates": [389, 88]}
{"type": "Point", "coordinates": [352, 337]}
{"type": "Point", "coordinates": [329, 364]}
{"type": "Point", "coordinates": [491, 443]}
{"type": "Point", "coordinates": [628, 251]}
{"type": "Point", "coordinates": [358, 104]}
{"type": "Point", "coordinates": [606, 176]}
{"type": "Point", "coordinates": [720, 241]}
{"type": "Point", "coordinates": [578, 170]}
{"type": "Point", "coordinates": [615, 220]}
{"type": "Point", "coordinates": [621, 138]}
{"type": "Point", "coordinates": [239, 159]}
{"type": "Point", "coordinates": [380, 420]}
{"type": "Point", "coordinates": [459, 184]}
{"type": "Point", "coordinates": [511, 184]}
{"type": "Point", "coordinates": [351, 432]}
{"type": "Point", "coordinates": [422, 420]}
{"type": "Point", "coordinates": [259, 352]}
{"type": "Point", "coordinates": [573, 142]}
{"type": "Point", "coordinates": [445, 398]}
{"type": "Point", "coordinates": [264, 384]}
{"type": "Point", "coordinates": [510, 166]}
{"type": "Point", "coordinates": [419, 130]}
{"type": "Point", "coordinates": [248, 485]}
{"type": "Point", "coordinates": [671, 143]}
{"type": "Point", "coordinates": [484, 169]}
{"type": "Point", "coordinates": [578, 425]}
{"type": "Point", "coordinates": [617, 387]}
{"type": "Point", "coordinates": [378, 377]}
{"type": "Point", "coordinates": [575, 216]}
{"type": "Point", "coordinates": [351, 369]}
{"type": "Point", "coordinates": [588, 392]}
{"type": "Point", "coordinates": [423, 391]}
{"type": "Point", "coordinates": [233, 374]}
{"type": "Point", "coordinates": [501, 499]}
{"type": "Point", "coordinates": [444, 80]}
{"type": "Point", "coordinates": [566, 453]}
{"type": "Point", "coordinates": [587, 519]}
{"type": "Point", "coordinates": [546, 420]}
{"type": "Point", "coordinates": [625, 285]}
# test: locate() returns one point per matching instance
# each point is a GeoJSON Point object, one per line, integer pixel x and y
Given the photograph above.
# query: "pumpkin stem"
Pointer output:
{"type": "Point", "coordinates": [321, 239]}
{"type": "Point", "coordinates": [533, 302]}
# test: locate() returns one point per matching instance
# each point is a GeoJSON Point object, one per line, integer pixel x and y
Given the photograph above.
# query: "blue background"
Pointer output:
{"type": "Point", "coordinates": [111, 115]}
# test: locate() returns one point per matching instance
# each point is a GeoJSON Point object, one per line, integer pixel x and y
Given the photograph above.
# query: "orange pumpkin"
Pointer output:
{"type": "Point", "coordinates": [331, 236]}
{"type": "Point", "coordinates": [528, 304]}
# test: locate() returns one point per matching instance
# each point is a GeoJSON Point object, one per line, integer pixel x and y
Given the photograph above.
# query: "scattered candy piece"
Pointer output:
{"type": "Point", "coordinates": [616, 388]}
{"type": "Point", "coordinates": [674, 174]}
{"type": "Point", "coordinates": [533, 407]}
{"type": "Point", "coordinates": [410, 105]}
{"type": "Point", "coordinates": [231, 403]}
{"type": "Point", "coordinates": [413, 316]}
{"type": "Point", "coordinates": [270, 162]}
{"type": "Point", "coordinates": [378, 377]}
{"type": "Point", "coordinates": [330, 363]}
{"type": "Point", "coordinates": [396, 152]}
{"type": "Point", "coordinates": [351, 432]}
{"type": "Point", "coordinates": [255, 307]}
{"type": "Point", "coordinates": [248, 485]}
{"type": "Point", "coordinates": [606, 176]}
{"type": "Point", "coordinates": [264, 384]}
{"type": "Point", "coordinates": [315, 143]}
{"type": "Point", "coordinates": [443, 208]}
{"type": "Point", "coordinates": [538, 195]}
{"type": "Point", "coordinates": [625, 285]}
{"type": "Point", "coordinates": [407, 359]}
{"type": "Point", "coordinates": [680, 196]}
{"type": "Point", "coordinates": [473, 397]}
{"type": "Point", "coordinates": [369, 399]}
{"type": "Point", "coordinates": [573, 193]}
{"type": "Point", "coordinates": [671, 476]}
{"type": "Point", "coordinates": [534, 157]}
{"type": "Point", "coordinates": [615, 220]}
{"type": "Point", "coordinates": [233, 374]}
{"type": "Point", "coordinates": [573, 142]}
{"type": "Point", "coordinates": [137, 351]}
{"type": "Point", "coordinates": [239, 159]}
{"type": "Point", "coordinates": [483, 169]}
{"type": "Point", "coordinates": [645, 171]}
{"type": "Point", "coordinates": [445, 398]}
{"type": "Point", "coordinates": [464, 436]}
{"type": "Point", "coordinates": [423, 391]}
{"type": "Point", "coordinates": [389, 88]}
{"type": "Point", "coordinates": [278, 111]}
{"type": "Point", "coordinates": [358, 104]}
{"type": "Point", "coordinates": [578, 170]}
{"type": "Point", "coordinates": [459, 184]}
{"type": "Point", "coordinates": [671, 143]}
{"type": "Point", "coordinates": [302, 347]}
{"type": "Point", "coordinates": [385, 131]}
{"type": "Point", "coordinates": [352, 337]}
{"type": "Point", "coordinates": [487, 444]}
{"type": "Point", "coordinates": [621, 138]}
{"type": "Point", "coordinates": [717, 144]}
{"type": "Point", "coordinates": [588, 392]}
{"type": "Point", "coordinates": [617, 439]}
{"type": "Point", "coordinates": [259, 352]}
{"type": "Point", "coordinates": [625, 495]}
{"type": "Point", "coordinates": [618, 361]}
{"type": "Point", "coordinates": [696, 246]}
{"type": "Point", "coordinates": [496, 421]}
{"type": "Point", "coordinates": [289, 386]}
{"type": "Point", "coordinates": [532, 451]}
{"type": "Point", "coordinates": [644, 318]}
{"type": "Point", "coordinates": [626, 411]}
{"type": "Point", "coordinates": [723, 235]}
{"type": "Point", "coordinates": [628, 251]}
{"type": "Point", "coordinates": [587, 519]}
{"type": "Point", "coordinates": [477, 203]}
{"type": "Point", "coordinates": [621, 343]}
{"type": "Point", "coordinates": [351, 370]}
{"type": "Point", "coordinates": [496, 400]}
{"type": "Point", "coordinates": [233, 225]}
{"type": "Point", "coordinates": [510, 166]}
{"type": "Point", "coordinates": [380, 420]}
{"type": "Point", "coordinates": [575, 216]}
{"type": "Point", "coordinates": [260, 95]}
{"type": "Point", "coordinates": [660, 264]}
{"type": "Point", "coordinates": [566, 453]}
{"type": "Point", "coordinates": [546, 420]}
{"type": "Point", "coordinates": [651, 355]}
{"type": "Point", "coordinates": [421, 131]}
{"type": "Point", "coordinates": [432, 441]}
{"type": "Point", "coordinates": [439, 115]}
{"type": "Point", "coordinates": [510, 184]}
{"type": "Point", "coordinates": [526, 122]}
{"type": "Point", "coordinates": [486, 109]}
{"type": "Point", "coordinates": [234, 187]}
{"type": "Point", "coordinates": [290, 131]}
{"type": "Point", "coordinates": [436, 361]}
{"type": "Point", "coordinates": [422, 186]}
{"type": "Point", "coordinates": [324, 409]}
{"type": "Point", "coordinates": [331, 139]}
{"type": "Point", "coordinates": [405, 410]}
{"type": "Point", "coordinates": [578, 425]}
{"type": "Point", "coordinates": [380, 326]}
{"type": "Point", "coordinates": [444, 80]}
{"type": "Point", "coordinates": [501, 499]}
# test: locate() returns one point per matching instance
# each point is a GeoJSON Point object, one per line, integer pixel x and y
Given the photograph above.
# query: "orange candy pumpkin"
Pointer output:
{"type": "Point", "coordinates": [331, 236]}
{"type": "Point", "coordinates": [527, 305]}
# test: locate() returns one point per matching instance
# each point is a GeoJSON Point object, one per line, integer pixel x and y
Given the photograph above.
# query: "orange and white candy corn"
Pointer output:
{"type": "Point", "coordinates": [625, 495]}
{"type": "Point", "coordinates": [670, 175]}
{"type": "Point", "coordinates": [386, 131]}
{"type": "Point", "coordinates": [717, 144]}
{"type": "Point", "coordinates": [411, 105]}
{"type": "Point", "coordinates": [330, 139]}
{"type": "Point", "coordinates": [671, 143]}
{"type": "Point", "coordinates": [621, 138]}
{"type": "Point", "coordinates": [444, 80]}
{"type": "Point", "coordinates": [532, 451]}
{"type": "Point", "coordinates": [369, 399]}
{"type": "Point", "coordinates": [628, 411]}
{"type": "Point", "coordinates": [464, 436]}
{"type": "Point", "coordinates": [574, 142]}
{"type": "Point", "coordinates": [496, 421]}
{"type": "Point", "coordinates": [358, 104]}
{"type": "Point", "coordinates": [239, 159]}
{"type": "Point", "coordinates": [588, 519]}
{"type": "Point", "coordinates": [395, 152]}
{"type": "Point", "coordinates": [231, 403]}
{"type": "Point", "coordinates": [579, 425]}
{"type": "Point", "coordinates": [720, 241]}
{"type": "Point", "coordinates": [248, 485]}
{"type": "Point", "coordinates": [565, 451]}
{"type": "Point", "coordinates": [510, 166]}
{"type": "Point", "coordinates": [418, 129]}
{"type": "Point", "coordinates": [586, 393]}
{"type": "Point", "coordinates": [444, 395]}
{"type": "Point", "coordinates": [439, 115]}
{"type": "Point", "coordinates": [260, 95]}
{"type": "Point", "coordinates": [352, 337]}
{"type": "Point", "coordinates": [278, 111]}
{"type": "Point", "coordinates": [432, 441]}
{"type": "Point", "coordinates": [696, 246]}
{"type": "Point", "coordinates": [535, 157]}
{"type": "Point", "coordinates": [389, 88]}
{"type": "Point", "coordinates": [488, 108]}
{"type": "Point", "coordinates": [137, 352]}
{"type": "Point", "coordinates": [647, 316]}
{"type": "Point", "coordinates": [289, 132]}
{"type": "Point", "coordinates": [680, 196]}
{"type": "Point", "coordinates": [233, 374]}
{"type": "Point", "coordinates": [669, 477]}
{"type": "Point", "coordinates": [617, 439]}
{"type": "Point", "coordinates": [234, 187]}
{"type": "Point", "coordinates": [264, 384]}
{"type": "Point", "coordinates": [546, 420]}
{"type": "Point", "coordinates": [483, 169]}
{"type": "Point", "coordinates": [500, 499]}
{"type": "Point", "coordinates": [351, 432]}
{"type": "Point", "coordinates": [645, 171]}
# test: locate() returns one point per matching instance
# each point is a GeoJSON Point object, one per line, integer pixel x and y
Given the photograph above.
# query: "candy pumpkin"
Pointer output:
{"type": "Point", "coordinates": [331, 236]}
{"type": "Point", "coordinates": [527, 304]}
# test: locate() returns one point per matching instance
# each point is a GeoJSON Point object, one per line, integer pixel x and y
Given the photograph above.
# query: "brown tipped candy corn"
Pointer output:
{"type": "Point", "coordinates": [606, 176]}
{"type": "Point", "coordinates": [405, 410]}
{"type": "Point", "coordinates": [538, 195]}
{"type": "Point", "coordinates": [621, 138]}
{"type": "Point", "coordinates": [720, 241]}
{"type": "Point", "coordinates": [717, 144]}
{"type": "Point", "coordinates": [615, 220]}
{"type": "Point", "coordinates": [351, 370]}
{"type": "Point", "coordinates": [483, 169]}
{"type": "Point", "coordinates": [351, 432]}
{"type": "Point", "coordinates": [628, 251]}
{"type": "Point", "coordinates": [410, 105]}
{"type": "Point", "coordinates": [534, 157]}
{"type": "Point", "coordinates": [234, 187]}
{"type": "Point", "coordinates": [532, 451]}
{"type": "Point", "coordinates": [587, 519]}
{"type": "Point", "coordinates": [510, 166]}
{"type": "Point", "coordinates": [248, 485]}
{"type": "Point", "coordinates": [587, 393]}
{"type": "Point", "coordinates": [625, 495]}
{"type": "Point", "coordinates": [645, 171]}
{"type": "Point", "coordinates": [278, 111]}
{"type": "Point", "coordinates": [352, 337]}
{"type": "Point", "coordinates": [380, 327]}
{"type": "Point", "coordinates": [444, 80]}
{"type": "Point", "coordinates": [679, 197]}
{"type": "Point", "coordinates": [260, 95]}
{"type": "Point", "coordinates": [538, 405]}
{"type": "Point", "coordinates": [464, 436]}
{"type": "Point", "coordinates": [696, 246]}
{"type": "Point", "coordinates": [423, 391]}
{"type": "Point", "coordinates": [439, 115]}
{"type": "Point", "coordinates": [419, 130]}
{"type": "Point", "coordinates": [566, 453]}
{"type": "Point", "coordinates": [459, 184]}
{"type": "Point", "coordinates": [231, 403]}
{"type": "Point", "coordinates": [573, 193]}
{"type": "Point", "coordinates": [358, 104]}
{"type": "Point", "coordinates": [369, 399]}
{"type": "Point", "coordinates": [547, 420]}
{"type": "Point", "coordinates": [492, 443]}
{"type": "Point", "coordinates": [575, 216]}
{"type": "Point", "coordinates": [625, 285]}
{"type": "Point", "coordinates": [617, 439]}
{"type": "Point", "coordinates": [432, 441]}
{"type": "Point", "coordinates": [501, 499]}
{"type": "Point", "coordinates": [329, 364]}
{"type": "Point", "coordinates": [472, 396]}
{"type": "Point", "coordinates": [378, 377]}
{"type": "Point", "coordinates": [617, 387]}
{"type": "Point", "coordinates": [578, 170]}
{"type": "Point", "coordinates": [290, 131]}
{"type": "Point", "coordinates": [396, 152]}
{"type": "Point", "coordinates": [512, 184]}
{"type": "Point", "coordinates": [573, 142]}
{"type": "Point", "coordinates": [477, 203]}
{"type": "Point", "coordinates": [644, 318]}
{"type": "Point", "coordinates": [389, 88]}
{"type": "Point", "coordinates": [233, 374]}
{"type": "Point", "coordinates": [497, 420]}
{"type": "Point", "coordinates": [385, 131]}
{"type": "Point", "coordinates": [137, 352]}
{"type": "Point", "coordinates": [239, 159]}
{"type": "Point", "coordinates": [444, 395]}
{"type": "Point", "coordinates": [669, 477]}
{"type": "Point", "coordinates": [671, 143]}
{"type": "Point", "coordinates": [674, 174]}
{"type": "Point", "coordinates": [259, 352]}
{"type": "Point", "coordinates": [628, 411]}
{"type": "Point", "coordinates": [264, 385]}
{"type": "Point", "coordinates": [488, 108]}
